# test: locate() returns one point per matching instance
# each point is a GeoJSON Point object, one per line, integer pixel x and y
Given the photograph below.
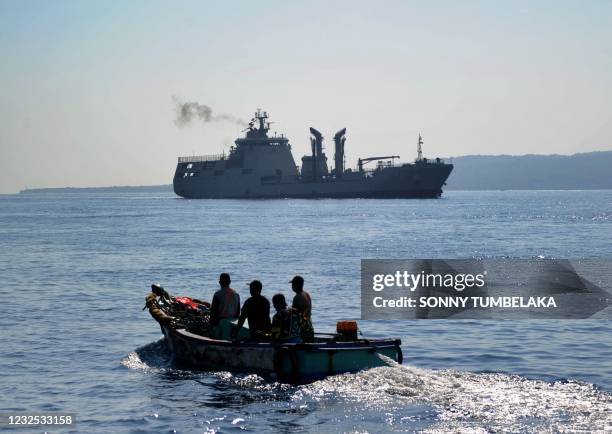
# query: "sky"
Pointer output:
{"type": "Point", "coordinates": [89, 87]}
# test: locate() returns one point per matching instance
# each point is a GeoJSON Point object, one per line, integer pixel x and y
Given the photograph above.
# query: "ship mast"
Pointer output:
{"type": "Point", "coordinates": [420, 149]}
{"type": "Point", "coordinates": [261, 117]}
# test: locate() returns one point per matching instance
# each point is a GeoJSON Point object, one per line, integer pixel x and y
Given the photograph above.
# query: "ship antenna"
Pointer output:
{"type": "Point", "coordinates": [420, 149]}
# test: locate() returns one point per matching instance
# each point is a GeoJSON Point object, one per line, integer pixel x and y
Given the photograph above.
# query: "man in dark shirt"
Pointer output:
{"type": "Point", "coordinates": [257, 310]}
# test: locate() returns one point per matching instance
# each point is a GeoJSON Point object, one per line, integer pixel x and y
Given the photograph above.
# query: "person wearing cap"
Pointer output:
{"type": "Point", "coordinates": [301, 301]}
{"type": "Point", "coordinates": [257, 310]}
{"type": "Point", "coordinates": [225, 302]}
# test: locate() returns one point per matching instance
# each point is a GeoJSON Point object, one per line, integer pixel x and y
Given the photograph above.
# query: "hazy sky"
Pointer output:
{"type": "Point", "coordinates": [87, 86]}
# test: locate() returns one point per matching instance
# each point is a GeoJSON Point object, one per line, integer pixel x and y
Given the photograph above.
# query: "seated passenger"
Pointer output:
{"type": "Point", "coordinates": [257, 310]}
{"type": "Point", "coordinates": [225, 302]}
{"type": "Point", "coordinates": [288, 324]}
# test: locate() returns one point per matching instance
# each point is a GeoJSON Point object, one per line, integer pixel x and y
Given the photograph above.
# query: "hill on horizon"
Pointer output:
{"type": "Point", "coordinates": [582, 171]}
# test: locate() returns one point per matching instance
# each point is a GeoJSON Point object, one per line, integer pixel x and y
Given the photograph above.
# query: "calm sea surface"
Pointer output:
{"type": "Point", "coordinates": [75, 269]}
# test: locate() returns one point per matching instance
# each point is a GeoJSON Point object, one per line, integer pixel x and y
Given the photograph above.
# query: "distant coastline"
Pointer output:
{"type": "Point", "coordinates": [116, 189]}
{"type": "Point", "coordinates": [583, 171]}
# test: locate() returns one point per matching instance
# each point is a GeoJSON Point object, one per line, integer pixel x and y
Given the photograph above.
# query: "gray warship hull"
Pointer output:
{"type": "Point", "coordinates": [407, 181]}
{"type": "Point", "coordinates": [260, 166]}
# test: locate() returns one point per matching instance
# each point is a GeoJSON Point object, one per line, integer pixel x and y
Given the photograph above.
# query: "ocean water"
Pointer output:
{"type": "Point", "coordinates": [75, 270]}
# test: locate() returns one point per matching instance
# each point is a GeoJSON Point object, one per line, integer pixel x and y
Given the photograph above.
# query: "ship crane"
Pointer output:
{"type": "Point", "coordinates": [363, 161]}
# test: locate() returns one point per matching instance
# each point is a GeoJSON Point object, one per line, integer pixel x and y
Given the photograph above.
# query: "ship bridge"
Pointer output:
{"type": "Point", "coordinates": [255, 158]}
{"type": "Point", "coordinates": [258, 135]}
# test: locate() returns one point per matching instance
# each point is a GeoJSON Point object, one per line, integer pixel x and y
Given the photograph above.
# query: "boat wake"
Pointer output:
{"type": "Point", "coordinates": [153, 357]}
{"type": "Point", "coordinates": [437, 400]}
{"type": "Point", "coordinates": [474, 401]}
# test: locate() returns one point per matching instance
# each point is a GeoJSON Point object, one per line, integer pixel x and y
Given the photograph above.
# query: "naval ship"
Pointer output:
{"type": "Point", "coordinates": [262, 166]}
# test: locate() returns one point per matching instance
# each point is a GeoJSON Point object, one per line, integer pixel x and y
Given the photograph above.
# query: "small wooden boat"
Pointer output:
{"type": "Point", "coordinates": [295, 363]}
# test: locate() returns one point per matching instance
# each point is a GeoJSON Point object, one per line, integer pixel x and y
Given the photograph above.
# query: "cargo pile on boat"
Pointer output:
{"type": "Point", "coordinates": [187, 313]}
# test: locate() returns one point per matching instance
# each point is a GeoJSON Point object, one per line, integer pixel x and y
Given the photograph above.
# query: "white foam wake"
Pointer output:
{"type": "Point", "coordinates": [490, 402]}
{"type": "Point", "coordinates": [153, 357]}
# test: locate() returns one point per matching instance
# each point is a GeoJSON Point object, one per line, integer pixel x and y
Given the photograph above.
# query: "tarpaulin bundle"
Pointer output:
{"type": "Point", "coordinates": [179, 312]}
{"type": "Point", "coordinates": [190, 304]}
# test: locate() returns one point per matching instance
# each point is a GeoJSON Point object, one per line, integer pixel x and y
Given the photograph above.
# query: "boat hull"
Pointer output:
{"type": "Point", "coordinates": [292, 363]}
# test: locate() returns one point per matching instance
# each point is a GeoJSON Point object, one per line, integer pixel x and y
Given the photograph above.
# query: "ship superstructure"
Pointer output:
{"type": "Point", "coordinates": [260, 166]}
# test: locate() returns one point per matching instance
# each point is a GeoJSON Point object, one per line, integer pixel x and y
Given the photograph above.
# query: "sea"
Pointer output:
{"type": "Point", "coordinates": [76, 267]}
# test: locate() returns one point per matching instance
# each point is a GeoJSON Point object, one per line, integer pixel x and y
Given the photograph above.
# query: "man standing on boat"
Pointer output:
{"type": "Point", "coordinates": [302, 301]}
{"type": "Point", "coordinates": [225, 302]}
{"type": "Point", "coordinates": [257, 310]}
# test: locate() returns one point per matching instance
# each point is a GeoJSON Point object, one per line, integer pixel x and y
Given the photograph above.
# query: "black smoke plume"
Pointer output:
{"type": "Point", "coordinates": [189, 112]}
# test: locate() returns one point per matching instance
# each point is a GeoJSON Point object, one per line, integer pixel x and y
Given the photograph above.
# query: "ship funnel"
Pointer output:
{"type": "Point", "coordinates": [317, 134]}
{"type": "Point", "coordinates": [339, 140]}
{"type": "Point", "coordinates": [317, 151]}
{"type": "Point", "coordinates": [313, 160]}
{"type": "Point", "coordinates": [318, 137]}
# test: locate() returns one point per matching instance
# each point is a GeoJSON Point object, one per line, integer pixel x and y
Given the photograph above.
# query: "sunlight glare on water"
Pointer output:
{"type": "Point", "coordinates": [497, 402]}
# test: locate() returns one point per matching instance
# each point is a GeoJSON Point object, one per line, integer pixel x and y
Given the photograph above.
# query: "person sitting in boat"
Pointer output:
{"type": "Point", "coordinates": [289, 325]}
{"type": "Point", "coordinates": [257, 310]}
{"type": "Point", "coordinates": [225, 302]}
{"type": "Point", "coordinates": [302, 301]}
